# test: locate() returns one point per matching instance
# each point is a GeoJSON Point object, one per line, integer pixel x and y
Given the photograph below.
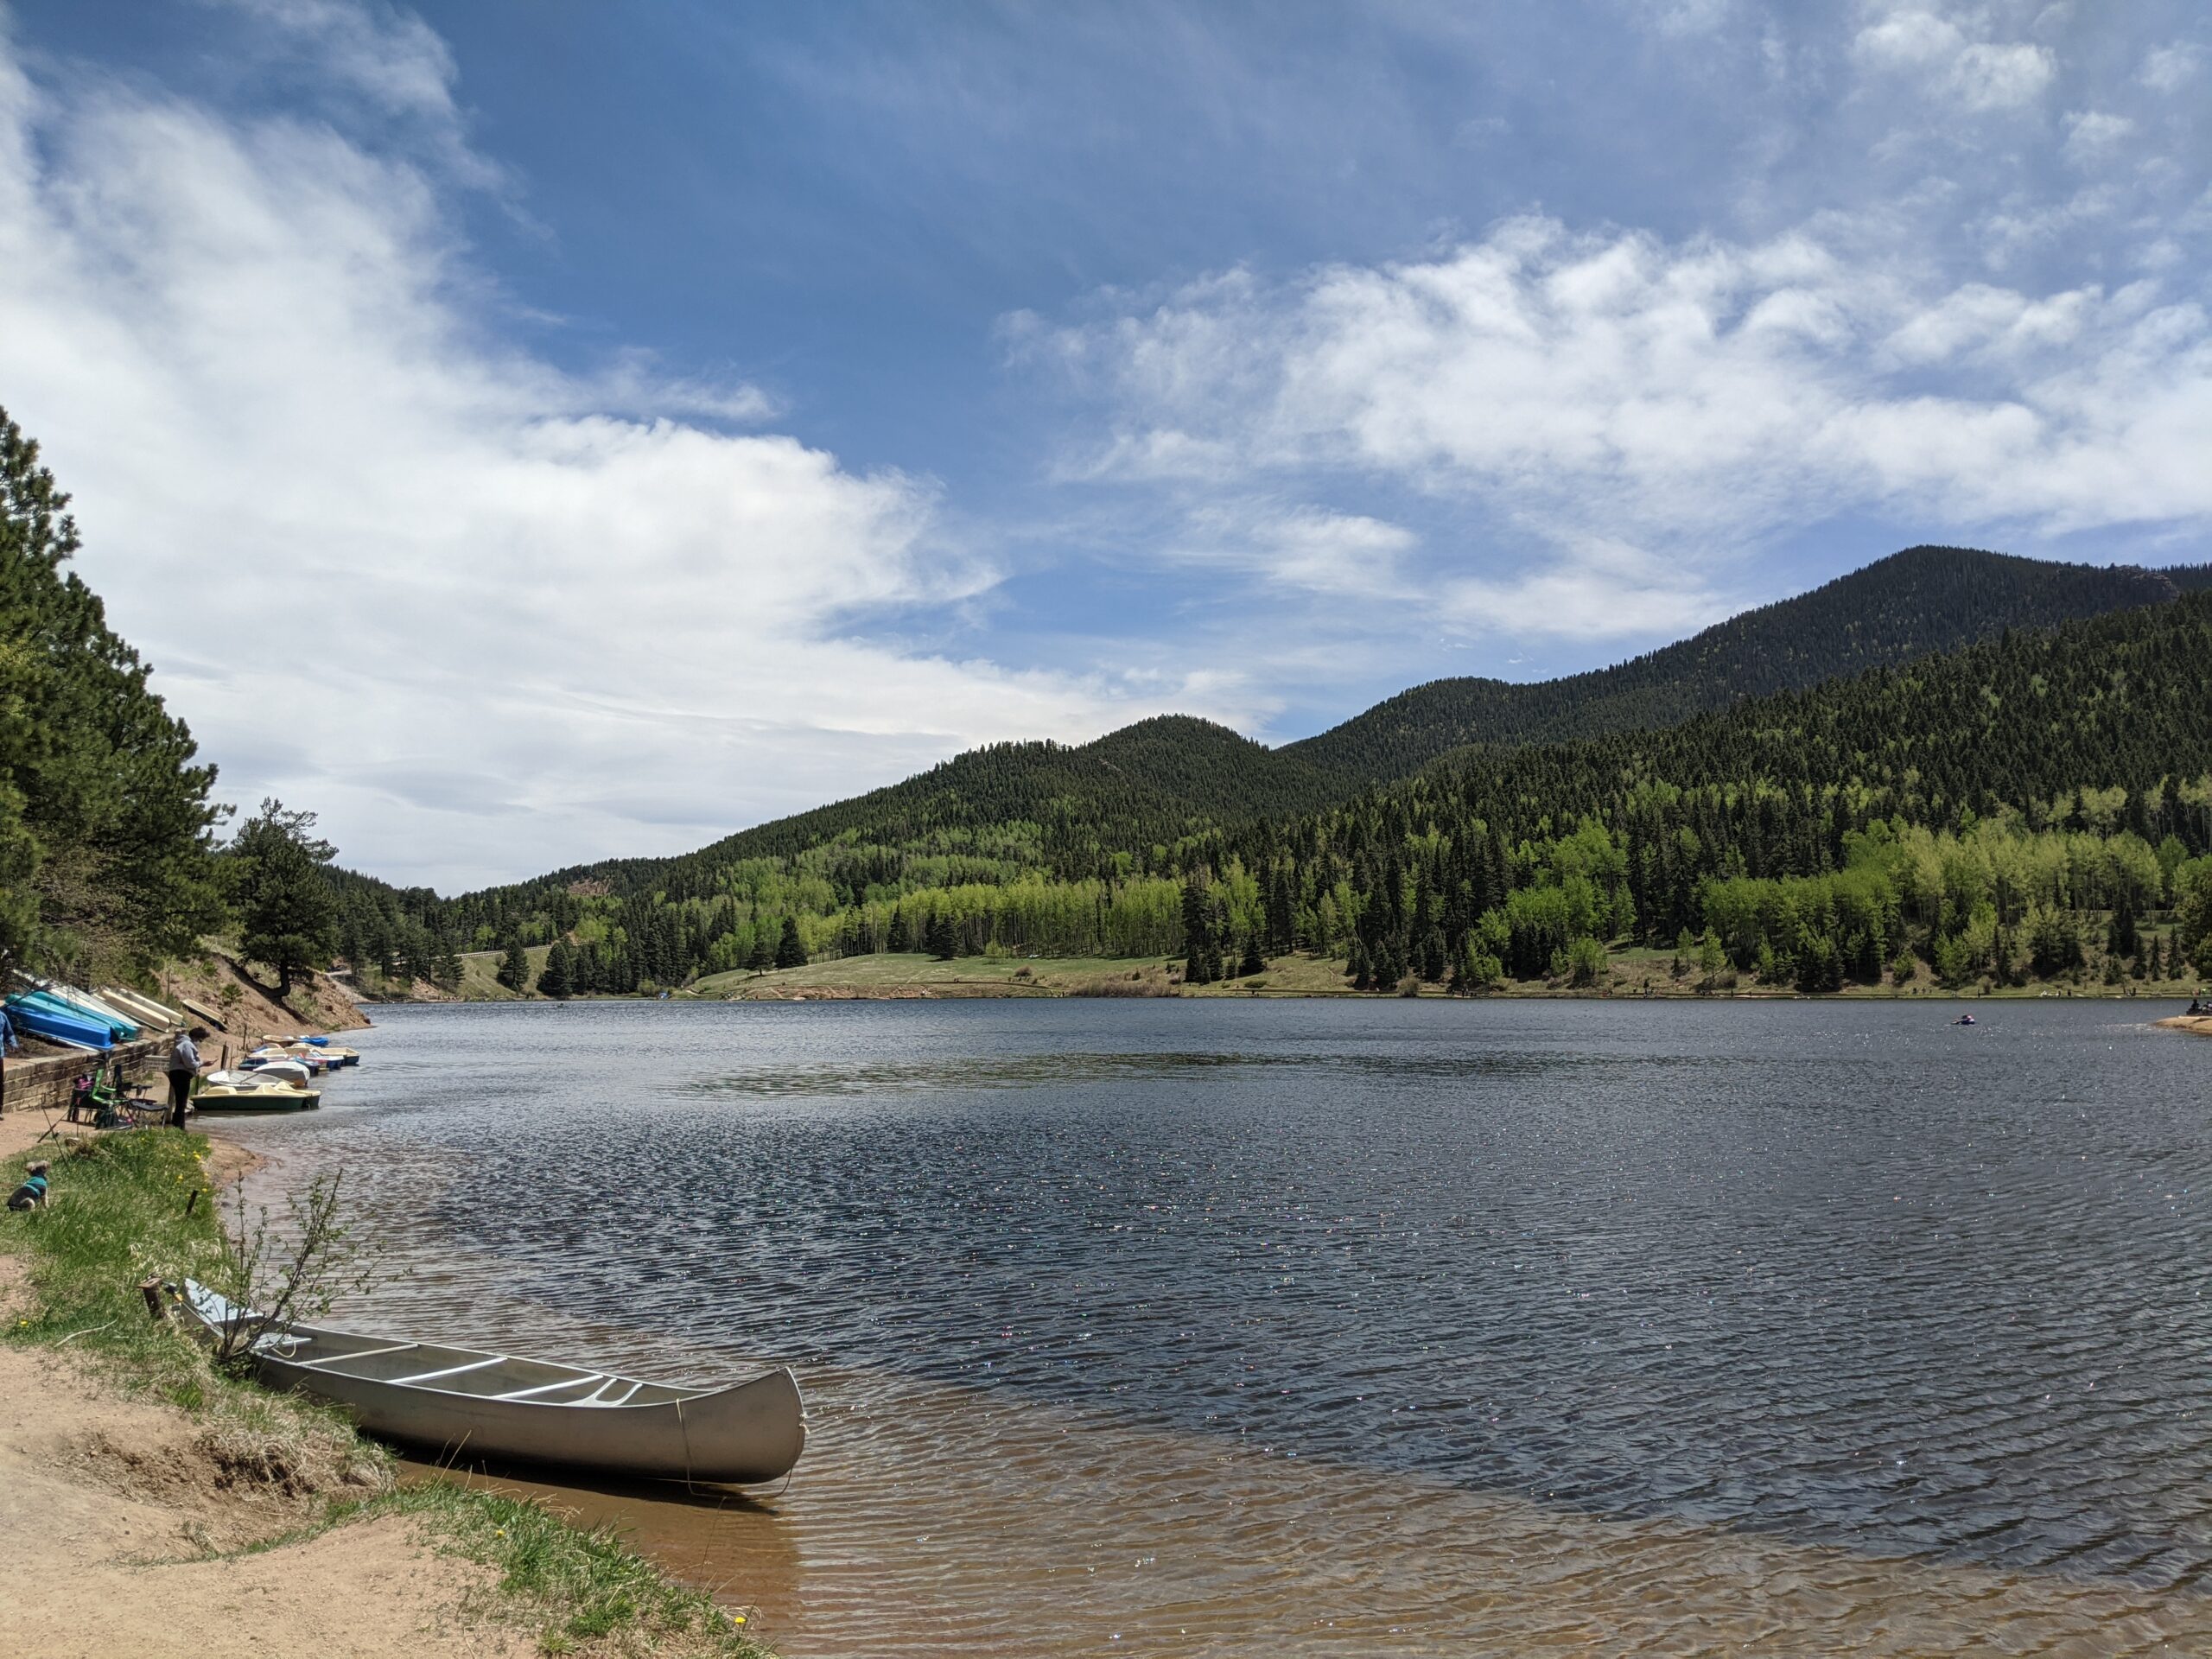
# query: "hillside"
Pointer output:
{"type": "Point", "coordinates": [1161, 779]}
{"type": "Point", "coordinates": [1088, 842]}
{"type": "Point", "coordinates": [1921, 600]}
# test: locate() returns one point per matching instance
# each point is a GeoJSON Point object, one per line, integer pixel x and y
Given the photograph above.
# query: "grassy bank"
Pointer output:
{"type": "Point", "coordinates": [1629, 971]}
{"type": "Point", "coordinates": [138, 1205]}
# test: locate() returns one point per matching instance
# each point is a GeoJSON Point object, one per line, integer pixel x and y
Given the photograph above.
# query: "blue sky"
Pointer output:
{"type": "Point", "coordinates": [526, 433]}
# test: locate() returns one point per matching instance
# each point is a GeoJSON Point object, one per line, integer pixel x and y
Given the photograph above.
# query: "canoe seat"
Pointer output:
{"type": "Point", "coordinates": [599, 1377]}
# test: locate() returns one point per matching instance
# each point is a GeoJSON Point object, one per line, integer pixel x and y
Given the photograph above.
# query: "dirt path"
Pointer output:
{"type": "Point", "coordinates": [112, 1514]}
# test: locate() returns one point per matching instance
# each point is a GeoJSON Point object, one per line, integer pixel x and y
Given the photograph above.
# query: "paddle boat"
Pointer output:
{"type": "Point", "coordinates": [253, 1091]}
{"type": "Point", "coordinates": [469, 1402]}
{"type": "Point", "coordinates": [307, 1059]}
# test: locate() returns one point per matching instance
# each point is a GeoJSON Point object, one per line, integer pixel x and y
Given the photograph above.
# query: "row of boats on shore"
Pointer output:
{"type": "Point", "coordinates": [277, 1074]}
{"type": "Point", "coordinates": [282, 1075]}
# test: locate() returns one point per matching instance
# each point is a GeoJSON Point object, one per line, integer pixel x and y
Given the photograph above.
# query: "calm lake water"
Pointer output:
{"type": "Point", "coordinates": [1366, 1328]}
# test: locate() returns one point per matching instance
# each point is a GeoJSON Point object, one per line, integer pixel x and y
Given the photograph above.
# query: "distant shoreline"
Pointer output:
{"type": "Point", "coordinates": [1640, 977]}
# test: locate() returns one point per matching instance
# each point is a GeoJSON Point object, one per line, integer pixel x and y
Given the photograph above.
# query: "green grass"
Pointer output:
{"type": "Point", "coordinates": [480, 973]}
{"type": "Point", "coordinates": [971, 975]}
{"type": "Point", "coordinates": [136, 1204]}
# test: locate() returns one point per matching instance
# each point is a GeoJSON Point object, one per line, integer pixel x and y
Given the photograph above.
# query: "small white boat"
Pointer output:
{"type": "Point", "coordinates": [290, 1071]}
{"type": "Point", "coordinates": [465, 1403]}
{"type": "Point", "coordinates": [253, 1091]}
{"type": "Point", "coordinates": [320, 1051]}
{"type": "Point", "coordinates": [148, 1012]}
{"type": "Point", "coordinates": [261, 1058]}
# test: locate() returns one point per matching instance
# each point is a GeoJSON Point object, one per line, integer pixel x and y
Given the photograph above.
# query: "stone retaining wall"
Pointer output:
{"type": "Point", "coordinates": [43, 1085]}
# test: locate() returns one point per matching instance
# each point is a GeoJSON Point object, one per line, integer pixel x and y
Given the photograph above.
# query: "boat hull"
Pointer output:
{"type": "Point", "coordinates": [736, 1436]}
{"type": "Point", "coordinates": [259, 1100]}
{"type": "Point", "coordinates": [73, 1030]}
{"type": "Point", "coordinates": [466, 1403]}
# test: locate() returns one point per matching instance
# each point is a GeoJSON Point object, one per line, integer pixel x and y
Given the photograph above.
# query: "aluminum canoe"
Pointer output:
{"type": "Point", "coordinates": [465, 1403]}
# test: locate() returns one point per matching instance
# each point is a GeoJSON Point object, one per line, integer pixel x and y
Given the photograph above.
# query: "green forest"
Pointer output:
{"type": "Point", "coordinates": [1954, 764]}
{"type": "Point", "coordinates": [2026, 807]}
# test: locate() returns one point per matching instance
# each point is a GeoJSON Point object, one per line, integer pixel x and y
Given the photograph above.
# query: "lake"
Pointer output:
{"type": "Point", "coordinates": [1353, 1327]}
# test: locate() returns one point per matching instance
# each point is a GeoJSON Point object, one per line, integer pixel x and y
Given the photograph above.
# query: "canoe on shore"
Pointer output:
{"type": "Point", "coordinates": [465, 1403]}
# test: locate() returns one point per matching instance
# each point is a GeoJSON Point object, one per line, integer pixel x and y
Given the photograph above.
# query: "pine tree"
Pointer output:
{"type": "Point", "coordinates": [900, 939]}
{"type": "Point", "coordinates": [1199, 949]}
{"type": "Point", "coordinates": [1252, 962]}
{"type": "Point", "coordinates": [790, 952]}
{"type": "Point", "coordinates": [558, 977]}
{"type": "Point", "coordinates": [288, 914]}
{"type": "Point", "coordinates": [514, 966]}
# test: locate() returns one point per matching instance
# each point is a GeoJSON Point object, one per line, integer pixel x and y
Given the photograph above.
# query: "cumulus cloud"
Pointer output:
{"type": "Point", "coordinates": [2169, 68]}
{"type": "Point", "coordinates": [488, 617]}
{"type": "Point", "coordinates": [1640, 403]}
{"type": "Point", "coordinates": [2093, 134]}
{"type": "Point", "coordinates": [1982, 75]}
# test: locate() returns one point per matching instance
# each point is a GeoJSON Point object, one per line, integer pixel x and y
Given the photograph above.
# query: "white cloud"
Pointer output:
{"type": "Point", "coordinates": [488, 618]}
{"type": "Point", "coordinates": [2002, 75]}
{"type": "Point", "coordinates": [2094, 135]}
{"type": "Point", "coordinates": [1308, 549]}
{"type": "Point", "coordinates": [1982, 75]}
{"type": "Point", "coordinates": [1694, 397]}
{"type": "Point", "coordinates": [2169, 68]}
{"type": "Point", "coordinates": [388, 58]}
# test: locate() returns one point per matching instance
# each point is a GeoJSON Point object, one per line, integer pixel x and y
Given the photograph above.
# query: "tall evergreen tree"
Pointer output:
{"type": "Point", "coordinates": [514, 965]}
{"type": "Point", "coordinates": [105, 827]}
{"type": "Point", "coordinates": [790, 951]}
{"type": "Point", "coordinates": [558, 977]}
{"type": "Point", "coordinates": [288, 914]}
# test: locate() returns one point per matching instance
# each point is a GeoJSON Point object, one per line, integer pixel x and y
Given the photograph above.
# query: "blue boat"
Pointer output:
{"type": "Point", "coordinates": [57, 1026]}
{"type": "Point", "coordinates": [99, 1014]}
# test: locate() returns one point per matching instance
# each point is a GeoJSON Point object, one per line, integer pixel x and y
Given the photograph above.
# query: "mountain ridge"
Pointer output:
{"type": "Point", "coordinates": [1149, 782]}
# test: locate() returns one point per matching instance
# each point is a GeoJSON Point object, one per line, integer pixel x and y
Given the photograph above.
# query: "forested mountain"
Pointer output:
{"type": "Point", "coordinates": [1921, 601]}
{"type": "Point", "coordinates": [1072, 808]}
{"type": "Point", "coordinates": [1504, 853]}
{"type": "Point", "coordinates": [1966, 807]}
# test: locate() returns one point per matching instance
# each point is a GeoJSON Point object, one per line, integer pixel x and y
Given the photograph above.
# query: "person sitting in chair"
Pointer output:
{"type": "Point", "coordinates": [31, 1195]}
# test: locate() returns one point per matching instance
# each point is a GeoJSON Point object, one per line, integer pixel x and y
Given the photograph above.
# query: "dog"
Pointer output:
{"type": "Point", "coordinates": [32, 1194]}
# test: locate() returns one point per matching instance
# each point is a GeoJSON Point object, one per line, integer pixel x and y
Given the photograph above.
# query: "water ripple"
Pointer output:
{"type": "Point", "coordinates": [1502, 1323]}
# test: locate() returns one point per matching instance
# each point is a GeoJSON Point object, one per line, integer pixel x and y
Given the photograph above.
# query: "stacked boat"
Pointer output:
{"type": "Point", "coordinates": [278, 1076]}
{"type": "Point", "coordinates": [72, 1018]}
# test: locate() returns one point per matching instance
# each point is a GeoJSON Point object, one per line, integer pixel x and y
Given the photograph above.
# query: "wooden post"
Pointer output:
{"type": "Point", "coordinates": [151, 1290]}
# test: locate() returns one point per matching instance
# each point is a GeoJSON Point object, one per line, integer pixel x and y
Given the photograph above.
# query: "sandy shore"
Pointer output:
{"type": "Point", "coordinates": [120, 1526]}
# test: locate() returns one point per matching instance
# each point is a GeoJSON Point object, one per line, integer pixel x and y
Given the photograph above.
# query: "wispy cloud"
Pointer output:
{"type": "Point", "coordinates": [377, 553]}
{"type": "Point", "coordinates": [1955, 58]}
{"type": "Point", "coordinates": [1694, 396]}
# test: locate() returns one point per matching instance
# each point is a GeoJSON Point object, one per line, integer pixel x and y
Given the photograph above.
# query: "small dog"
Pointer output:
{"type": "Point", "coordinates": [31, 1195]}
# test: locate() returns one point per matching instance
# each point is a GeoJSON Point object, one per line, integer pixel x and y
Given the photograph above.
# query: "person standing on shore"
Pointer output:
{"type": "Point", "coordinates": [184, 1066]}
